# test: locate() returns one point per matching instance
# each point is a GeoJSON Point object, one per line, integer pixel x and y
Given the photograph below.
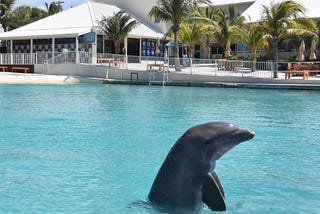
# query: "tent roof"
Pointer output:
{"type": "Point", "coordinates": [230, 2]}
{"type": "Point", "coordinates": [73, 22]}
{"type": "Point", "coordinates": [255, 10]}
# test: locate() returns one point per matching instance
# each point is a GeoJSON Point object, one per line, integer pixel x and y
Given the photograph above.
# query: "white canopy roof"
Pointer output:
{"type": "Point", "coordinates": [255, 10]}
{"type": "Point", "coordinates": [73, 22]}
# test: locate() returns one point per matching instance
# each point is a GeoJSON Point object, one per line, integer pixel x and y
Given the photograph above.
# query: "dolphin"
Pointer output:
{"type": "Point", "coordinates": [186, 178]}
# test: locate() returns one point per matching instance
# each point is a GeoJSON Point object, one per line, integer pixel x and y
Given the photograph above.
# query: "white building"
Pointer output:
{"type": "Point", "coordinates": [76, 29]}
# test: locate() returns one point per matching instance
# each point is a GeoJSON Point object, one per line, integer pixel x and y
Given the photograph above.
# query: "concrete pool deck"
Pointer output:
{"type": "Point", "coordinates": [22, 78]}
{"type": "Point", "coordinates": [200, 79]}
{"type": "Point", "coordinates": [174, 79]}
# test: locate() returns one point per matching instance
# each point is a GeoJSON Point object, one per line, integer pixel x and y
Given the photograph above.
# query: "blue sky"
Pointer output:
{"type": "Point", "coordinates": [41, 3]}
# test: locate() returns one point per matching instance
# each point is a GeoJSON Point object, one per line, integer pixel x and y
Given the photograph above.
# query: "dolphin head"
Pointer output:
{"type": "Point", "coordinates": [222, 137]}
{"type": "Point", "coordinates": [216, 138]}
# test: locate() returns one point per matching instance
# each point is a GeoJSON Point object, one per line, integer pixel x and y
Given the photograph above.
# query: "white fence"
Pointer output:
{"type": "Point", "coordinates": [44, 57]}
{"type": "Point", "coordinates": [212, 67]}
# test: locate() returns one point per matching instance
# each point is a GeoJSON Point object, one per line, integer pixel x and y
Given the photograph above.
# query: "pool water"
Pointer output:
{"type": "Point", "coordinates": [97, 148]}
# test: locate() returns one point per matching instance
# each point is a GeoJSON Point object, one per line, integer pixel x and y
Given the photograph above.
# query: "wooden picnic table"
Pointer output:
{"type": "Point", "coordinates": [107, 60]}
{"type": "Point", "coordinates": [160, 66]}
{"type": "Point", "coordinates": [305, 74]}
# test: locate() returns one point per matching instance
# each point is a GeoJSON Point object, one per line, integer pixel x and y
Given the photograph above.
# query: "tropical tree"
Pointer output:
{"type": "Point", "coordinates": [226, 25]}
{"type": "Point", "coordinates": [24, 15]}
{"type": "Point", "coordinates": [206, 15]}
{"type": "Point", "coordinates": [191, 34]}
{"type": "Point", "coordinates": [54, 7]}
{"type": "Point", "coordinates": [282, 19]}
{"type": "Point", "coordinates": [175, 11]}
{"type": "Point", "coordinates": [253, 37]}
{"type": "Point", "coordinates": [229, 28]}
{"type": "Point", "coordinates": [117, 27]}
{"type": "Point", "coordinates": [6, 7]}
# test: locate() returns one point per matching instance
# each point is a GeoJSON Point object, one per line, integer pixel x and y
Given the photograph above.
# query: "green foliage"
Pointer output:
{"type": "Point", "coordinates": [54, 7]}
{"type": "Point", "coordinates": [191, 34]}
{"type": "Point", "coordinates": [24, 15]}
{"type": "Point", "coordinates": [176, 12]}
{"type": "Point", "coordinates": [282, 19]}
{"type": "Point", "coordinates": [226, 25]}
{"type": "Point", "coordinates": [6, 7]}
{"type": "Point", "coordinates": [117, 27]}
{"type": "Point", "coordinates": [12, 18]}
{"type": "Point", "coordinates": [292, 58]}
{"type": "Point", "coordinates": [217, 56]}
{"type": "Point", "coordinates": [253, 37]}
{"type": "Point", "coordinates": [236, 57]}
{"type": "Point", "coordinates": [261, 58]}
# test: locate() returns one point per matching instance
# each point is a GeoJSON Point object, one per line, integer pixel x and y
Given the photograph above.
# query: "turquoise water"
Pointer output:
{"type": "Point", "coordinates": [97, 148]}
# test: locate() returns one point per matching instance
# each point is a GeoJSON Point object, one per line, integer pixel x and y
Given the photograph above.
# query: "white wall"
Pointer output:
{"type": "Point", "coordinates": [96, 71]}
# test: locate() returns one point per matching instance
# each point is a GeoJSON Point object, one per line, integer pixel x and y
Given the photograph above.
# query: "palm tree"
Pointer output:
{"type": "Point", "coordinates": [253, 37]}
{"type": "Point", "coordinates": [229, 27]}
{"type": "Point", "coordinates": [24, 15]}
{"type": "Point", "coordinates": [206, 15]}
{"type": "Point", "coordinates": [190, 34]}
{"type": "Point", "coordinates": [282, 19]}
{"type": "Point", "coordinates": [226, 24]}
{"type": "Point", "coordinates": [117, 27]}
{"type": "Point", "coordinates": [175, 11]}
{"type": "Point", "coordinates": [6, 7]}
{"type": "Point", "coordinates": [54, 7]}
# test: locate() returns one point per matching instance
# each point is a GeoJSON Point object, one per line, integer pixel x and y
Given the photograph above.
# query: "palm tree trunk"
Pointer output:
{"type": "Point", "coordinates": [117, 47]}
{"type": "Point", "coordinates": [209, 52]}
{"type": "Point", "coordinates": [191, 51]}
{"type": "Point", "coordinates": [176, 50]}
{"type": "Point", "coordinates": [254, 60]}
{"type": "Point", "coordinates": [276, 56]}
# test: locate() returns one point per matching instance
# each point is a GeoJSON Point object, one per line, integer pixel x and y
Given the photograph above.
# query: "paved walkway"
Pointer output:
{"type": "Point", "coordinates": [22, 78]}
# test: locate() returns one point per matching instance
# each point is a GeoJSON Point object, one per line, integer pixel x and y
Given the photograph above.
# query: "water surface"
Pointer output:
{"type": "Point", "coordinates": [97, 148]}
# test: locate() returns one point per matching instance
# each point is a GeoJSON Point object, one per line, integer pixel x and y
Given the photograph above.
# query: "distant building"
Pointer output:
{"type": "Point", "coordinates": [76, 29]}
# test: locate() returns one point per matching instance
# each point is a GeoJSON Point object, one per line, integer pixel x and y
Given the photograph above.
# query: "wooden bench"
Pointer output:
{"type": "Point", "coordinates": [25, 69]}
{"type": "Point", "coordinates": [160, 66]}
{"type": "Point", "coordinates": [106, 60]}
{"type": "Point", "coordinates": [4, 68]}
{"type": "Point", "coordinates": [304, 74]}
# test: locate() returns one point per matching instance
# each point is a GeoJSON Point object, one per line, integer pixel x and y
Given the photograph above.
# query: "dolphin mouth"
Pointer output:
{"type": "Point", "coordinates": [236, 137]}
{"type": "Point", "coordinates": [242, 135]}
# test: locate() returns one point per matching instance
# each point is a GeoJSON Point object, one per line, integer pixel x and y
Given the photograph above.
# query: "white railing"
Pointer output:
{"type": "Point", "coordinates": [17, 58]}
{"type": "Point", "coordinates": [211, 67]}
{"type": "Point", "coordinates": [44, 57]}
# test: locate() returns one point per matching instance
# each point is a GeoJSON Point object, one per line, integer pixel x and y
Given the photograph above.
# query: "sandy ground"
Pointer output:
{"type": "Point", "coordinates": [20, 78]}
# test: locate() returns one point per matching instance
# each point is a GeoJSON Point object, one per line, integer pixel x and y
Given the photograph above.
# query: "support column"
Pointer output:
{"type": "Point", "coordinates": [11, 46]}
{"type": "Point", "coordinates": [53, 49]}
{"type": "Point", "coordinates": [77, 51]}
{"type": "Point", "coordinates": [31, 51]}
{"type": "Point", "coordinates": [126, 52]}
{"type": "Point", "coordinates": [95, 50]}
{"type": "Point", "coordinates": [140, 50]}
{"type": "Point", "coordinates": [103, 43]}
{"type": "Point", "coordinates": [11, 52]}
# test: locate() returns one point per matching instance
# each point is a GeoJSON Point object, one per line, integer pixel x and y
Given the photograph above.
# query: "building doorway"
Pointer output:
{"type": "Point", "coordinates": [133, 50]}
